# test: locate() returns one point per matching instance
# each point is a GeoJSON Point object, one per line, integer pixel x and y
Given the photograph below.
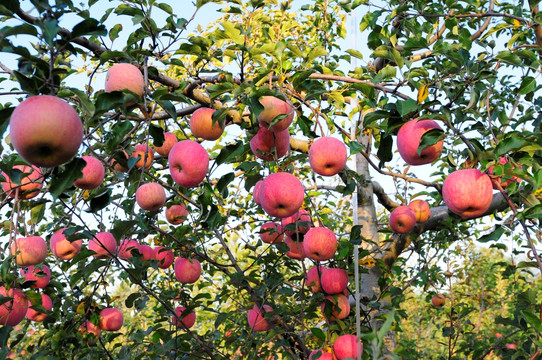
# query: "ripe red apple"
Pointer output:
{"type": "Point", "coordinates": [103, 244]}
{"type": "Point", "coordinates": [202, 125]}
{"type": "Point", "coordinates": [29, 186]}
{"type": "Point", "coordinates": [504, 180]}
{"type": "Point", "coordinates": [313, 278]}
{"type": "Point", "coordinates": [301, 219]}
{"type": "Point", "coordinates": [176, 214]}
{"type": "Point", "coordinates": [334, 281]}
{"type": "Point", "coordinates": [256, 194]}
{"type": "Point", "coordinates": [117, 166]}
{"type": "Point", "coordinates": [320, 244]}
{"type": "Point", "coordinates": [268, 145]}
{"type": "Point", "coordinates": [111, 319]}
{"type": "Point", "coordinates": [45, 130]}
{"type": "Point", "coordinates": [125, 76]}
{"type": "Point", "coordinates": [187, 271]}
{"type": "Point", "coordinates": [281, 194]}
{"type": "Point", "coordinates": [320, 354]}
{"type": "Point", "coordinates": [468, 192]}
{"type": "Point", "coordinates": [188, 163]}
{"type": "Point", "coordinates": [511, 346]}
{"type": "Point", "coordinates": [93, 174]}
{"type": "Point", "coordinates": [169, 140]}
{"type": "Point", "coordinates": [151, 196]}
{"type": "Point", "coordinates": [296, 249]}
{"type": "Point", "coordinates": [39, 316]}
{"type": "Point", "coordinates": [41, 275]}
{"type": "Point", "coordinates": [347, 347]}
{"type": "Point", "coordinates": [256, 319]}
{"type": "Point", "coordinates": [164, 256]}
{"type": "Point", "coordinates": [273, 107]}
{"type": "Point", "coordinates": [90, 332]}
{"type": "Point", "coordinates": [271, 233]}
{"type": "Point", "coordinates": [327, 156]}
{"type": "Point", "coordinates": [63, 248]}
{"type": "Point", "coordinates": [147, 252]}
{"type": "Point", "coordinates": [186, 321]}
{"type": "Point", "coordinates": [402, 219]}
{"type": "Point", "coordinates": [339, 307]}
{"type": "Point", "coordinates": [408, 140]}
{"type": "Point", "coordinates": [145, 155]}
{"type": "Point", "coordinates": [30, 250]}
{"type": "Point", "coordinates": [438, 300]}
{"type": "Point", "coordinates": [421, 210]}
{"type": "Point", "coordinates": [126, 247]}
{"type": "Point", "coordinates": [13, 311]}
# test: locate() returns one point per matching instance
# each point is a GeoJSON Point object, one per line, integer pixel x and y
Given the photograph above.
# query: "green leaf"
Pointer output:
{"type": "Point", "coordinates": [169, 108]}
{"type": "Point", "coordinates": [532, 319]}
{"type": "Point", "coordinates": [494, 235]}
{"type": "Point", "coordinates": [8, 7]}
{"type": "Point", "coordinates": [50, 29]}
{"type": "Point", "coordinates": [64, 180]}
{"type": "Point", "coordinates": [114, 32]}
{"type": "Point", "coordinates": [355, 235]}
{"type": "Point", "coordinates": [318, 333]}
{"type": "Point", "coordinates": [219, 89]}
{"type": "Point", "coordinates": [406, 107]}
{"type": "Point", "coordinates": [510, 144]}
{"type": "Point", "coordinates": [26, 29]}
{"type": "Point", "coordinates": [397, 57]}
{"type": "Point", "coordinates": [99, 202]}
{"type": "Point", "coordinates": [229, 152]}
{"type": "Point", "coordinates": [430, 138]}
{"type": "Point", "coordinates": [166, 7]}
{"type": "Point", "coordinates": [89, 27]}
{"type": "Point", "coordinates": [528, 85]}
{"type": "Point", "coordinates": [157, 134]}
{"type": "Point", "coordinates": [355, 53]}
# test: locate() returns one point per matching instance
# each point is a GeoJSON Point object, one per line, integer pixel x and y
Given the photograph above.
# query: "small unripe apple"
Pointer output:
{"type": "Point", "coordinates": [164, 256]}
{"type": "Point", "coordinates": [145, 155]}
{"type": "Point", "coordinates": [186, 321]}
{"type": "Point", "coordinates": [151, 196]}
{"type": "Point", "coordinates": [126, 247]}
{"type": "Point", "coordinates": [402, 219]}
{"type": "Point", "coordinates": [103, 244]}
{"type": "Point", "coordinates": [176, 214]}
{"type": "Point", "coordinates": [320, 244]}
{"type": "Point", "coordinates": [301, 220]}
{"type": "Point", "coordinates": [38, 316]}
{"type": "Point", "coordinates": [125, 76]}
{"type": "Point", "coordinates": [111, 319]}
{"type": "Point", "coordinates": [438, 300]}
{"type": "Point", "coordinates": [63, 248]}
{"type": "Point", "coordinates": [408, 141]}
{"type": "Point", "coordinates": [281, 194]}
{"type": "Point", "coordinates": [347, 347]}
{"type": "Point", "coordinates": [45, 130]}
{"type": "Point", "coordinates": [421, 210]}
{"type": "Point", "coordinates": [13, 311]}
{"type": "Point", "coordinates": [468, 192]}
{"type": "Point", "coordinates": [93, 174]}
{"type": "Point", "coordinates": [29, 185]}
{"type": "Point", "coordinates": [30, 250]}
{"type": "Point", "coordinates": [334, 281]}
{"type": "Point", "coordinates": [188, 163]}
{"type": "Point", "coordinates": [169, 140]}
{"type": "Point", "coordinates": [90, 332]}
{"type": "Point", "coordinates": [313, 278]}
{"type": "Point", "coordinates": [41, 275]}
{"type": "Point", "coordinates": [202, 125]}
{"type": "Point", "coordinates": [271, 233]}
{"type": "Point", "coordinates": [187, 271]}
{"type": "Point", "coordinates": [268, 145]}
{"type": "Point", "coordinates": [327, 156]}
{"type": "Point", "coordinates": [256, 319]}
{"type": "Point", "coordinates": [273, 107]}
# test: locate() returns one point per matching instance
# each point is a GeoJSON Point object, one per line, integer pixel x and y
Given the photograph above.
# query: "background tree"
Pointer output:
{"type": "Point", "coordinates": [471, 67]}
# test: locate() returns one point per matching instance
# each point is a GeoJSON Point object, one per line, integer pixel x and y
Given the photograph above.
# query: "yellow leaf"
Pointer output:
{"type": "Point", "coordinates": [423, 93]}
{"type": "Point", "coordinates": [81, 308]}
{"type": "Point", "coordinates": [517, 24]}
{"type": "Point", "coordinates": [368, 262]}
{"type": "Point", "coordinates": [85, 194]}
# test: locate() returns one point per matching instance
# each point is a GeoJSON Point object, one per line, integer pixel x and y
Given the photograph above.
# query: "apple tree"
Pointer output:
{"type": "Point", "coordinates": [220, 180]}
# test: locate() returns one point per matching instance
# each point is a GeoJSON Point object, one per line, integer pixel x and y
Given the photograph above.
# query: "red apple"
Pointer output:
{"type": "Point", "coordinates": [147, 252]}
{"type": "Point", "coordinates": [111, 319]}
{"type": "Point", "coordinates": [438, 300]}
{"type": "Point", "coordinates": [268, 145]}
{"type": "Point", "coordinates": [301, 219]}
{"type": "Point", "coordinates": [468, 193]}
{"type": "Point", "coordinates": [30, 250]}
{"type": "Point", "coordinates": [117, 166]}
{"type": "Point", "coordinates": [41, 275]}
{"type": "Point", "coordinates": [169, 140]}
{"type": "Point", "coordinates": [202, 125]}
{"type": "Point", "coordinates": [103, 244]}
{"type": "Point", "coordinates": [421, 210]}
{"type": "Point", "coordinates": [313, 278]}
{"type": "Point", "coordinates": [334, 281]}
{"type": "Point", "coordinates": [164, 256]}
{"type": "Point", "coordinates": [273, 107]}
{"type": "Point", "coordinates": [281, 194]}
{"type": "Point", "coordinates": [29, 185]}
{"type": "Point", "coordinates": [187, 271]}
{"type": "Point", "coordinates": [504, 180]}
{"type": "Point", "coordinates": [13, 311]}
{"type": "Point", "coordinates": [402, 219]}
{"type": "Point", "coordinates": [188, 163]}
{"type": "Point", "coordinates": [256, 194]}
{"type": "Point", "coordinates": [320, 244]}
{"type": "Point", "coordinates": [511, 346]}
{"type": "Point", "coordinates": [176, 214]}
{"type": "Point", "coordinates": [186, 321]}
{"type": "Point", "coordinates": [45, 130]}
{"type": "Point", "coordinates": [39, 316]}
{"type": "Point", "coordinates": [296, 249]}
{"type": "Point", "coordinates": [151, 196]}
{"type": "Point", "coordinates": [339, 307]}
{"type": "Point", "coordinates": [90, 332]}
{"type": "Point", "coordinates": [125, 76]}
{"type": "Point", "coordinates": [320, 354]}
{"type": "Point", "coordinates": [327, 156]}
{"type": "Point", "coordinates": [63, 248]}
{"type": "Point", "coordinates": [271, 233]}
{"type": "Point", "coordinates": [145, 155]}
{"type": "Point", "coordinates": [347, 347]}
{"type": "Point", "coordinates": [408, 140]}
{"type": "Point", "coordinates": [256, 319]}
{"type": "Point", "coordinates": [126, 247]}
{"type": "Point", "coordinates": [93, 174]}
